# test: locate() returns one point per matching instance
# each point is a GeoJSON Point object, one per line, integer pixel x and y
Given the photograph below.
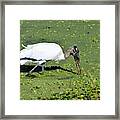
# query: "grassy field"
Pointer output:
{"type": "Point", "coordinates": [58, 84]}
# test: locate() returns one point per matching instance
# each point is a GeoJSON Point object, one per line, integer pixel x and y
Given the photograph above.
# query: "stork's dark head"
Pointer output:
{"type": "Point", "coordinates": [74, 46]}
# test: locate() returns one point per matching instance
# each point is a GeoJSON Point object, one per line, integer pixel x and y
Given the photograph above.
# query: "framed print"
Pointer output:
{"type": "Point", "coordinates": [60, 59]}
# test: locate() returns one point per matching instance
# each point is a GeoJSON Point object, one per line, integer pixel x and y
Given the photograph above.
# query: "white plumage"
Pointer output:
{"type": "Point", "coordinates": [41, 52]}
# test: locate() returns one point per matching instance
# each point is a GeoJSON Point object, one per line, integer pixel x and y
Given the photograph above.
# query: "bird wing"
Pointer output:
{"type": "Point", "coordinates": [43, 51]}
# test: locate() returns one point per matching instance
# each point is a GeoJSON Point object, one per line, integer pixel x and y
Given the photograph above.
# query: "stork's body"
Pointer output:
{"type": "Point", "coordinates": [40, 53]}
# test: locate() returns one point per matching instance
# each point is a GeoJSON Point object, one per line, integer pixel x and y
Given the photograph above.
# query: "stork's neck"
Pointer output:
{"type": "Point", "coordinates": [67, 53]}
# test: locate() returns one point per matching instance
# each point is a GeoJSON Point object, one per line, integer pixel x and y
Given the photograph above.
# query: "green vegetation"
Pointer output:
{"type": "Point", "coordinates": [58, 84]}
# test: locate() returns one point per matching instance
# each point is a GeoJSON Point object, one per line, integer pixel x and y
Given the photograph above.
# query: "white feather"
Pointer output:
{"type": "Point", "coordinates": [42, 52]}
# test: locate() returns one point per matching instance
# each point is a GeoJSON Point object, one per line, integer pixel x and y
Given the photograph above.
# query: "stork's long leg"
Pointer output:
{"type": "Point", "coordinates": [78, 66]}
{"type": "Point", "coordinates": [33, 69]}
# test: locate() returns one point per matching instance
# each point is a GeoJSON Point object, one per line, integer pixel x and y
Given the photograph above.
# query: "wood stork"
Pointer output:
{"type": "Point", "coordinates": [41, 53]}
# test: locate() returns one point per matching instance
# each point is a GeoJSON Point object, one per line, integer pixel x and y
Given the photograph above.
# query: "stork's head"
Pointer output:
{"type": "Point", "coordinates": [75, 47]}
